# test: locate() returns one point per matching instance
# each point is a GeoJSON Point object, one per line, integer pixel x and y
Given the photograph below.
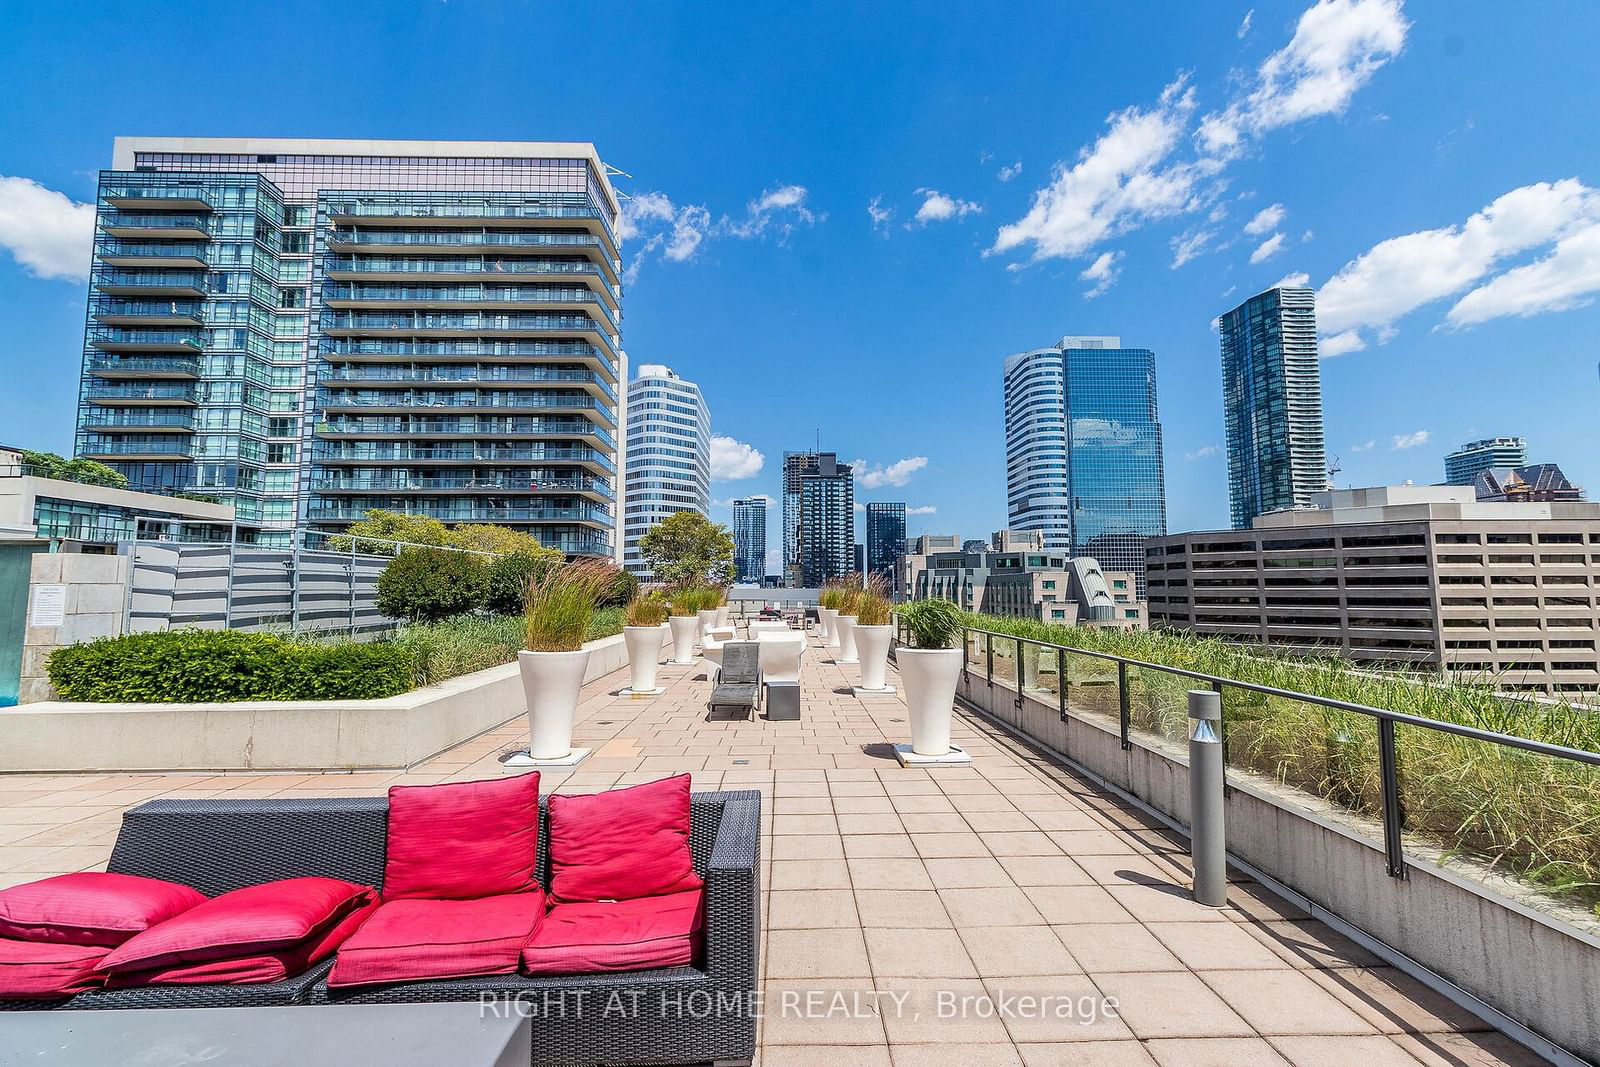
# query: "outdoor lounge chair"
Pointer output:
{"type": "Point", "coordinates": [711, 645]}
{"type": "Point", "coordinates": [780, 655]}
{"type": "Point", "coordinates": [220, 845]}
{"type": "Point", "coordinates": [738, 686]}
{"type": "Point", "coordinates": [762, 626]}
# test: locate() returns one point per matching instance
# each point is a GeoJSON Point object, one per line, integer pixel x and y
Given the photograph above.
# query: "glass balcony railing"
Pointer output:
{"type": "Point", "coordinates": [190, 195]}
{"type": "Point", "coordinates": [509, 481]}
{"type": "Point", "coordinates": [116, 366]}
{"type": "Point", "coordinates": [466, 425]}
{"type": "Point", "coordinates": [134, 221]}
{"type": "Point", "coordinates": [465, 455]}
{"type": "Point", "coordinates": [113, 251]}
{"type": "Point", "coordinates": [177, 280]}
{"type": "Point", "coordinates": [166, 392]}
{"type": "Point", "coordinates": [458, 209]}
{"type": "Point", "coordinates": [156, 310]}
{"type": "Point", "coordinates": [401, 398]}
{"type": "Point", "coordinates": [96, 446]}
{"type": "Point", "coordinates": [418, 321]}
{"type": "Point", "coordinates": [469, 238]}
{"type": "Point", "coordinates": [333, 348]}
{"type": "Point", "coordinates": [137, 419]}
{"type": "Point", "coordinates": [467, 295]}
{"type": "Point", "coordinates": [455, 512]}
{"type": "Point", "coordinates": [485, 265]}
{"type": "Point", "coordinates": [146, 340]}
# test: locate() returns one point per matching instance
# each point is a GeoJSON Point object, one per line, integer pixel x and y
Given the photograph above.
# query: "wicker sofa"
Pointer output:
{"type": "Point", "coordinates": [673, 1015]}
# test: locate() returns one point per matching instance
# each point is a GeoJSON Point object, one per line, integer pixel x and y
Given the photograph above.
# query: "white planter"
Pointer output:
{"type": "Point", "coordinates": [644, 649]}
{"type": "Point", "coordinates": [929, 676]}
{"type": "Point", "coordinates": [552, 681]}
{"type": "Point", "coordinates": [829, 636]}
{"type": "Point", "coordinates": [844, 628]}
{"type": "Point", "coordinates": [722, 615]}
{"type": "Point", "coordinates": [872, 648]}
{"type": "Point", "coordinates": [683, 631]}
{"type": "Point", "coordinates": [708, 619]}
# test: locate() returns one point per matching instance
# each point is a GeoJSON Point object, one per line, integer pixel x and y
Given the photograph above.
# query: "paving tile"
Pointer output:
{"type": "Point", "coordinates": [967, 872]}
{"type": "Point", "coordinates": [1395, 1002]}
{"type": "Point", "coordinates": [812, 909]}
{"type": "Point", "coordinates": [811, 874]}
{"type": "Point", "coordinates": [945, 1012]}
{"type": "Point", "coordinates": [1000, 906]}
{"type": "Point", "coordinates": [834, 1012]}
{"type": "Point", "coordinates": [1285, 1001]}
{"type": "Point", "coordinates": [816, 954]}
{"type": "Point", "coordinates": [1086, 1054]}
{"type": "Point", "coordinates": [947, 823]}
{"type": "Point", "coordinates": [908, 953]}
{"type": "Point", "coordinates": [1467, 1050]}
{"type": "Point", "coordinates": [837, 1056]}
{"type": "Point", "coordinates": [1062, 1007]}
{"type": "Point", "coordinates": [888, 873]}
{"type": "Point", "coordinates": [1325, 1051]}
{"type": "Point", "coordinates": [804, 847]}
{"type": "Point", "coordinates": [1170, 1004]}
{"type": "Point", "coordinates": [1016, 951]}
{"type": "Point", "coordinates": [858, 846]}
{"type": "Point", "coordinates": [1164, 903]}
{"type": "Point", "coordinates": [998, 1054]}
{"type": "Point", "coordinates": [869, 824]}
{"type": "Point", "coordinates": [1122, 946]}
{"type": "Point", "coordinates": [942, 846]}
{"type": "Point", "coordinates": [1044, 870]}
{"type": "Point", "coordinates": [1021, 843]}
{"type": "Point", "coordinates": [1215, 1052]}
{"type": "Point", "coordinates": [901, 909]}
{"type": "Point", "coordinates": [1309, 943]}
{"type": "Point", "coordinates": [1216, 946]}
{"type": "Point", "coordinates": [803, 824]}
{"type": "Point", "coordinates": [1065, 904]}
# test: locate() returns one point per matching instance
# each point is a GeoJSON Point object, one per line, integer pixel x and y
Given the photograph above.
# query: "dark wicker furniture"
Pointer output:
{"type": "Point", "coordinates": [673, 1015]}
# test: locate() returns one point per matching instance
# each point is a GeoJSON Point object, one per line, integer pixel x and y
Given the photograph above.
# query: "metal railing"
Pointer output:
{"type": "Point", "coordinates": [1392, 812]}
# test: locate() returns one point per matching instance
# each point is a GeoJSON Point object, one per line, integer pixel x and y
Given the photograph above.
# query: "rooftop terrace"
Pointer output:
{"type": "Point", "coordinates": [908, 914]}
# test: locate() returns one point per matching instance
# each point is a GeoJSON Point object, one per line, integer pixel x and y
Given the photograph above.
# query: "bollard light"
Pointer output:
{"type": "Point", "coordinates": [1208, 846]}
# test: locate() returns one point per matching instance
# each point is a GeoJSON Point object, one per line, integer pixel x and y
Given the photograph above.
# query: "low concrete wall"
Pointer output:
{"type": "Point", "coordinates": [1535, 968]}
{"type": "Point", "coordinates": [96, 587]}
{"type": "Point", "coordinates": [398, 731]}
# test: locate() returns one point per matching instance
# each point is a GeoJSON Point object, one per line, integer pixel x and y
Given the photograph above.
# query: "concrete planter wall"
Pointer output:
{"type": "Point", "coordinates": [1517, 953]}
{"type": "Point", "coordinates": [393, 732]}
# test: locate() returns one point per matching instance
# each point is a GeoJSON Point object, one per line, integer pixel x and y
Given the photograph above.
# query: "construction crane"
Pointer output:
{"type": "Point", "coordinates": [1333, 469]}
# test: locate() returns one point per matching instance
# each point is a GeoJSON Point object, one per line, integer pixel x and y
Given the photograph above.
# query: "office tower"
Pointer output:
{"type": "Point", "coordinates": [750, 539]}
{"type": "Point", "coordinates": [818, 518]}
{"type": "Point", "coordinates": [1463, 466]}
{"type": "Point", "coordinates": [309, 329]}
{"type": "Point", "coordinates": [1272, 403]}
{"type": "Point", "coordinates": [668, 459]}
{"type": "Point", "coordinates": [1083, 450]}
{"type": "Point", "coordinates": [886, 538]}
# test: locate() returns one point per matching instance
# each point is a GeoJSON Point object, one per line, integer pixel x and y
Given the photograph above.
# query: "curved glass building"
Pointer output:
{"type": "Point", "coordinates": [668, 458]}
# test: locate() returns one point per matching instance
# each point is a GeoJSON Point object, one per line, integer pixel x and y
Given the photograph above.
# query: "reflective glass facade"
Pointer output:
{"type": "Point", "coordinates": [668, 457]}
{"type": "Point", "coordinates": [750, 539]}
{"type": "Point", "coordinates": [1084, 450]}
{"type": "Point", "coordinates": [1272, 403]}
{"type": "Point", "coordinates": [1463, 466]}
{"type": "Point", "coordinates": [308, 330]}
{"type": "Point", "coordinates": [886, 538]}
{"type": "Point", "coordinates": [818, 518]}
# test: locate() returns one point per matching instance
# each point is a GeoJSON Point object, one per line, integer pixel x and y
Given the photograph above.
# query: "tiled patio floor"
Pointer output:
{"type": "Point", "coordinates": [910, 915]}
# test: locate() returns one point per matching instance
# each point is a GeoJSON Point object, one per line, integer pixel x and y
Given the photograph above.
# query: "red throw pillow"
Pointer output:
{"type": "Point", "coordinates": [91, 908]}
{"type": "Point", "coordinates": [618, 935]}
{"type": "Point", "coordinates": [426, 940]}
{"type": "Point", "coordinates": [41, 970]}
{"type": "Point", "coordinates": [246, 970]}
{"type": "Point", "coordinates": [253, 921]}
{"type": "Point", "coordinates": [463, 839]}
{"type": "Point", "coordinates": [622, 844]}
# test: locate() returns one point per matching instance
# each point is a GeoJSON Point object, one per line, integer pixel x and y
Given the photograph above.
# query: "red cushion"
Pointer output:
{"type": "Point", "coordinates": [253, 921]}
{"type": "Point", "coordinates": [272, 966]}
{"type": "Point", "coordinates": [414, 940]}
{"type": "Point", "coordinates": [618, 935]}
{"type": "Point", "coordinates": [91, 908]}
{"type": "Point", "coordinates": [41, 970]}
{"type": "Point", "coordinates": [462, 840]}
{"type": "Point", "coordinates": [622, 844]}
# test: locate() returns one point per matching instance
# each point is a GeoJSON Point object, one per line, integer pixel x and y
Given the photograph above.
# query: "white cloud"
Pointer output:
{"type": "Point", "coordinates": [774, 561]}
{"type": "Point", "coordinates": [1103, 430]}
{"type": "Point", "coordinates": [780, 209]}
{"type": "Point", "coordinates": [1244, 24]}
{"type": "Point", "coordinates": [1266, 220]}
{"type": "Point", "coordinates": [1567, 278]}
{"type": "Point", "coordinates": [937, 207]}
{"type": "Point", "coordinates": [1295, 280]}
{"type": "Point", "coordinates": [1268, 248]}
{"type": "Point", "coordinates": [678, 231]}
{"type": "Point", "coordinates": [1341, 344]}
{"type": "Point", "coordinates": [1103, 272]}
{"type": "Point", "coordinates": [1189, 244]}
{"type": "Point", "coordinates": [896, 473]}
{"type": "Point", "coordinates": [1401, 274]}
{"type": "Point", "coordinates": [1367, 447]}
{"type": "Point", "coordinates": [1338, 45]}
{"type": "Point", "coordinates": [1409, 440]}
{"type": "Point", "coordinates": [50, 235]}
{"type": "Point", "coordinates": [1007, 173]}
{"type": "Point", "coordinates": [881, 216]}
{"type": "Point", "coordinates": [926, 509]}
{"type": "Point", "coordinates": [1201, 453]}
{"type": "Point", "coordinates": [732, 460]}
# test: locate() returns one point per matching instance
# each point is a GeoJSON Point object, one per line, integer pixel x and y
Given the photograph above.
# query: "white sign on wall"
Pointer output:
{"type": "Point", "coordinates": [49, 605]}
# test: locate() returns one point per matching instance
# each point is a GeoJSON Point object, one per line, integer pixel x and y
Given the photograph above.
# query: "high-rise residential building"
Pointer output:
{"type": "Point", "coordinates": [668, 459]}
{"type": "Point", "coordinates": [1463, 466]}
{"type": "Point", "coordinates": [750, 539]}
{"type": "Point", "coordinates": [1084, 457]}
{"type": "Point", "coordinates": [306, 330]}
{"type": "Point", "coordinates": [1272, 403]}
{"type": "Point", "coordinates": [818, 518]}
{"type": "Point", "coordinates": [886, 538]}
{"type": "Point", "coordinates": [1425, 576]}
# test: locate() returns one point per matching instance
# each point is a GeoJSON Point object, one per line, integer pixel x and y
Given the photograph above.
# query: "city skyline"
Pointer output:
{"type": "Point", "coordinates": [781, 231]}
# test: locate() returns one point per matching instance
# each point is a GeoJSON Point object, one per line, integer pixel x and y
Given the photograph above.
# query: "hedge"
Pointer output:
{"type": "Point", "coordinates": [194, 666]}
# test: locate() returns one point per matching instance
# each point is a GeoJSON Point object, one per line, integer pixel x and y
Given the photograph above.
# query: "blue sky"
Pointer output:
{"type": "Point", "coordinates": [845, 216]}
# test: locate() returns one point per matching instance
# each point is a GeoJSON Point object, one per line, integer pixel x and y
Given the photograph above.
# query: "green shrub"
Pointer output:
{"type": "Point", "coordinates": [193, 666]}
{"type": "Point", "coordinates": [624, 588]}
{"type": "Point", "coordinates": [509, 578]}
{"type": "Point", "coordinates": [932, 624]}
{"type": "Point", "coordinates": [428, 584]}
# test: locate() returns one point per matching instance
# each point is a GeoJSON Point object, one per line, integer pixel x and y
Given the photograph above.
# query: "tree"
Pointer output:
{"type": "Point", "coordinates": [388, 526]}
{"type": "Point", "coordinates": [502, 540]}
{"type": "Point", "coordinates": [428, 584]}
{"type": "Point", "coordinates": [509, 576]}
{"type": "Point", "coordinates": [688, 549]}
{"type": "Point", "coordinates": [84, 471]}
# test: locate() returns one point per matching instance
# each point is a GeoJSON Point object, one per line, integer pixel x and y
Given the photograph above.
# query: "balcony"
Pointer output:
{"type": "Point", "coordinates": [159, 196]}
{"type": "Point", "coordinates": [372, 350]}
{"type": "Point", "coordinates": [137, 420]}
{"type": "Point", "coordinates": [467, 426]}
{"type": "Point", "coordinates": [401, 401]}
{"type": "Point", "coordinates": [489, 297]}
{"type": "Point", "coordinates": [496, 244]}
{"type": "Point", "coordinates": [374, 268]}
{"type": "Point", "coordinates": [339, 453]}
{"type": "Point", "coordinates": [153, 313]}
{"type": "Point", "coordinates": [160, 254]}
{"type": "Point", "coordinates": [398, 324]}
{"type": "Point", "coordinates": [460, 213]}
{"type": "Point", "coordinates": [506, 377]}
{"type": "Point", "coordinates": [132, 395]}
{"type": "Point", "coordinates": [147, 227]}
{"type": "Point", "coordinates": [145, 340]}
{"type": "Point", "coordinates": [187, 284]}
{"type": "Point", "coordinates": [454, 512]}
{"type": "Point", "coordinates": [112, 449]}
{"type": "Point", "coordinates": [117, 367]}
{"type": "Point", "coordinates": [506, 483]}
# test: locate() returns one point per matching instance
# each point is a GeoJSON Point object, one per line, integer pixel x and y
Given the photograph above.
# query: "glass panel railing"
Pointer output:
{"type": "Point", "coordinates": [400, 452]}
{"type": "Point", "coordinates": [466, 514]}
{"type": "Point", "coordinates": [392, 321]}
{"type": "Point", "coordinates": [137, 418]}
{"type": "Point", "coordinates": [1158, 701]}
{"type": "Point", "coordinates": [486, 265]}
{"type": "Point", "coordinates": [485, 426]}
{"type": "Point", "coordinates": [158, 190]}
{"type": "Point", "coordinates": [510, 482]}
{"type": "Point", "coordinates": [113, 393]}
{"type": "Point", "coordinates": [447, 238]}
{"type": "Point", "coordinates": [133, 220]}
{"type": "Point", "coordinates": [143, 365]}
{"type": "Point", "coordinates": [151, 279]}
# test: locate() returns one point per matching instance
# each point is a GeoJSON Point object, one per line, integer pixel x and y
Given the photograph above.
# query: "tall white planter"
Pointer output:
{"type": "Point", "coordinates": [929, 676]}
{"type": "Point", "coordinates": [644, 649]}
{"type": "Point", "coordinates": [845, 629]}
{"type": "Point", "coordinates": [552, 681]}
{"type": "Point", "coordinates": [872, 648]}
{"type": "Point", "coordinates": [708, 619]}
{"type": "Point", "coordinates": [683, 631]}
{"type": "Point", "coordinates": [722, 615]}
{"type": "Point", "coordinates": [825, 624]}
